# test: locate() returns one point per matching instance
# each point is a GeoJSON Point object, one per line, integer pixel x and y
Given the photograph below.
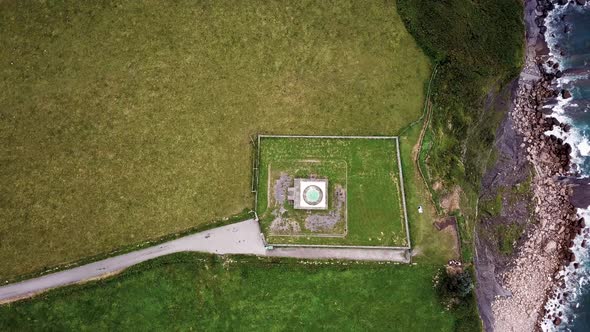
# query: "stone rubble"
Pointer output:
{"type": "Point", "coordinates": [534, 274]}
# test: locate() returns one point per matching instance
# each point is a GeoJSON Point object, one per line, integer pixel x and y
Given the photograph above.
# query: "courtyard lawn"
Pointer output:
{"type": "Point", "coordinates": [124, 121]}
{"type": "Point", "coordinates": [207, 293]}
{"type": "Point", "coordinates": [372, 185]}
{"type": "Point", "coordinates": [334, 171]}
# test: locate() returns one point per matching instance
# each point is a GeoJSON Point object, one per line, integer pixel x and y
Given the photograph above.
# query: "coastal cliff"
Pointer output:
{"type": "Point", "coordinates": [514, 287]}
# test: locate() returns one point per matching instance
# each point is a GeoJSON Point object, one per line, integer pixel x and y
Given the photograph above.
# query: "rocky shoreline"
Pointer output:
{"type": "Point", "coordinates": [533, 276]}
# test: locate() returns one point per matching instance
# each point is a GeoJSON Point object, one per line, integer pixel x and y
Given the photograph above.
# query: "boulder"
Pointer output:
{"type": "Point", "coordinates": [550, 247]}
{"type": "Point", "coordinates": [566, 94]}
{"type": "Point", "coordinates": [551, 121]}
{"type": "Point", "coordinates": [581, 2]}
{"type": "Point", "coordinates": [542, 29]}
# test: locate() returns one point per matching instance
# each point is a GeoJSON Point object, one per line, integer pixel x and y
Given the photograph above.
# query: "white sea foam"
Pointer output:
{"type": "Point", "coordinates": [579, 143]}
{"type": "Point", "coordinates": [553, 24]}
{"type": "Point", "coordinates": [576, 281]}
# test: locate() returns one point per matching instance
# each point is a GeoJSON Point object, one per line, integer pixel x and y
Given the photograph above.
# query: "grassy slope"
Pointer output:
{"type": "Point", "coordinates": [375, 214]}
{"type": "Point", "coordinates": [430, 245]}
{"type": "Point", "coordinates": [479, 48]}
{"type": "Point", "coordinates": [118, 118]}
{"type": "Point", "coordinates": [202, 292]}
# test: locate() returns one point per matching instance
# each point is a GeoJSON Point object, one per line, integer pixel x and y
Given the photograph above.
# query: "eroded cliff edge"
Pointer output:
{"type": "Point", "coordinates": [526, 219]}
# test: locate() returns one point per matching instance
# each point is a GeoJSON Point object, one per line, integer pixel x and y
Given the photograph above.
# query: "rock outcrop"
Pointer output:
{"type": "Point", "coordinates": [534, 275]}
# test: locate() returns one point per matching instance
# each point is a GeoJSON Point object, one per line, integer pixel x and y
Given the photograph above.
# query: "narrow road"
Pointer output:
{"type": "Point", "coordinates": [239, 238]}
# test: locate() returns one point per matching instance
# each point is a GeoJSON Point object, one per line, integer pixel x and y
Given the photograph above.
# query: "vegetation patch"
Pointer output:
{"type": "Point", "coordinates": [364, 191]}
{"type": "Point", "coordinates": [522, 192]}
{"type": "Point", "coordinates": [507, 236]}
{"type": "Point", "coordinates": [492, 206]}
{"type": "Point", "coordinates": [454, 287]}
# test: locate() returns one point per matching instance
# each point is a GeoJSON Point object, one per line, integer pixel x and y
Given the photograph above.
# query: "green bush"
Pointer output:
{"type": "Point", "coordinates": [455, 291]}
{"type": "Point", "coordinates": [455, 285]}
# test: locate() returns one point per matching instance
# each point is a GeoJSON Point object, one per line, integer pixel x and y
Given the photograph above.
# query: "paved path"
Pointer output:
{"type": "Point", "coordinates": [239, 238]}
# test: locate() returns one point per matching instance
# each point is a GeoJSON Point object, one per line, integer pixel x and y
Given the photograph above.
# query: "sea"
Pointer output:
{"type": "Point", "coordinates": [568, 39]}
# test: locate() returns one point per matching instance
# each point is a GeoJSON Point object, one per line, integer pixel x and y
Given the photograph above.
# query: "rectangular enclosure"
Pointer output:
{"type": "Point", "coordinates": [331, 190]}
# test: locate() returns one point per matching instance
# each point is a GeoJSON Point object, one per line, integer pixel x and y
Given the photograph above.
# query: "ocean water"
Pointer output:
{"type": "Point", "coordinates": [568, 38]}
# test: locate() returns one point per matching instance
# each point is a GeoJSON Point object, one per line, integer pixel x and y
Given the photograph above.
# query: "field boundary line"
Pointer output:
{"type": "Point", "coordinates": [403, 195]}
{"type": "Point", "coordinates": [427, 115]}
{"type": "Point", "coordinates": [324, 136]}
{"type": "Point", "coordinates": [254, 167]}
{"type": "Point", "coordinates": [432, 76]}
{"type": "Point", "coordinates": [338, 246]}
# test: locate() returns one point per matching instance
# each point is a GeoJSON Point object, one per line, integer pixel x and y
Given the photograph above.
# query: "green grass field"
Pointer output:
{"type": "Point", "coordinates": [372, 181]}
{"type": "Point", "coordinates": [205, 293]}
{"type": "Point", "coordinates": [118, 118]}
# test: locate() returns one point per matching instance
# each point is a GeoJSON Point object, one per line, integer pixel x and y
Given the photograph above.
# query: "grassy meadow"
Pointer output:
{"type": "Point", "coordinates": [119, 119]}
{"type": "Point", "coordinates": [202, 292]}
{"type": "Point", "coordinates": [372, 185]}
{"type": "Point", "coordinates": [208, 293]}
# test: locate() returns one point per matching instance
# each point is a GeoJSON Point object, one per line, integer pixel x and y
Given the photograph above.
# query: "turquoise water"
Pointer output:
{"type": "Point", "coordinates": [571, 47]}
{"type": "Point", "coordinates": [313, 195]}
